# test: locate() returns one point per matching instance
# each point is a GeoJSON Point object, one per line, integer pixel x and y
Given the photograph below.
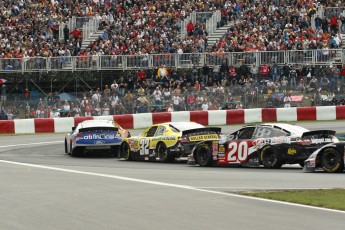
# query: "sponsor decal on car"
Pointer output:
{"type": "Point", "coordinates": [321, 140]}
{"type": "Point", "coordinates": [203, 137]}
{"type": "Point", "coordinates": [98, 136]}
{"type": "Point", "coordinates": [291, 151]}
{"type": "Point", "coordinates": [99, 142]}
{"type": "Point", "coordinates": [272, 141]}
{"type": "Point", "coordinates": [165, 138]}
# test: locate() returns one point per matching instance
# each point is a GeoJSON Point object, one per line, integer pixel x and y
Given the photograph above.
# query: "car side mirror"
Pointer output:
{"type": "Point", "coordinates": [73, 128]}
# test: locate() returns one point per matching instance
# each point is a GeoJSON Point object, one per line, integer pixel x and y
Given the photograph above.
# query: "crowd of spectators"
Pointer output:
{"type": "Point", "coordinates": [141, 27]}
{"type": "Point", "coordinates": [287, 26]}
{"type": "Point", "coordinates": [221, 87]}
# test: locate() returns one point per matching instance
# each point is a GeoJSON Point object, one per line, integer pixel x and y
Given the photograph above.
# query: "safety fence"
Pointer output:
{"type": "Point", "coordinates": [214, 117]}
{"type": "Point", "coordinates": [188, 60]}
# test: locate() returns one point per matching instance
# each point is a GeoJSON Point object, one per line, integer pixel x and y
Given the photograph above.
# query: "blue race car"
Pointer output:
{"type": "Point", "coordinates": [100, 136]}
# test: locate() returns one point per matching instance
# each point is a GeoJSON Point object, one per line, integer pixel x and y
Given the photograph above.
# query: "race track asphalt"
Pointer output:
{"type": "Point", "coordinates": [43, 188]}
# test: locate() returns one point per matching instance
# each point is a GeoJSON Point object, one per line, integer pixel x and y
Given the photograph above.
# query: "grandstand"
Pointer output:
{"type": "Point", "coordinates": [50, 47]}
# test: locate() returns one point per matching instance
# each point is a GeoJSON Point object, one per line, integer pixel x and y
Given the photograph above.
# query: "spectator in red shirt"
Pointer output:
{"type": "Point", "coordinates": [334, 24]}
{"type": "Point", "coordinates": [141, 76]}
{"type": "Point", "coordinates": [76, 33]}
{"type": "Point", "coordinates": [342, 73]}
{"type": "Point", "coordinates": [190, 28]}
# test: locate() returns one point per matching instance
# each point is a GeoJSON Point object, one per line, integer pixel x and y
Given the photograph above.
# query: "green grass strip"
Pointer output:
{"type": "Point", "coordinates": [326, 198]}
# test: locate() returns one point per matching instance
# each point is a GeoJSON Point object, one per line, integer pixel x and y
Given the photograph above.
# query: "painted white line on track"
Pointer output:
{"type": "Point", "coordinates": [28, 144]}
{"type": "Point", "coordinates": [258, 188]}
{"type": "Point", "coordinates": [168, 185]}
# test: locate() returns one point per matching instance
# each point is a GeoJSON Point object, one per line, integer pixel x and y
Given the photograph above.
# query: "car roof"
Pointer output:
{"type": "Point", "coordinates": [96, 123]}
{"type": "Point", "coordinates": [181, 126]}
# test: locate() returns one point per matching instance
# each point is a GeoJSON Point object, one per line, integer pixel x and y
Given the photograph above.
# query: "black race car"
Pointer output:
{"type": "Point", "coordinates": [330, 158]}
{"type": "Point", "coordinates": [270, 145]}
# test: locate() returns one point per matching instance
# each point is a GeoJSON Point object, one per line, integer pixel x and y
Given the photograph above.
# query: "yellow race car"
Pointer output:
{"type": "Point", "coordinates": [167, 141]}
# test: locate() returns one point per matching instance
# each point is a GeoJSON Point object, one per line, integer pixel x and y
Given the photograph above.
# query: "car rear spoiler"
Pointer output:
{"type": "Point", "coordinates": [319, 133]}
{"type": "Point", "coordinates": [206, 129]}
{"type": "Point", "coordinates": [89, 129]}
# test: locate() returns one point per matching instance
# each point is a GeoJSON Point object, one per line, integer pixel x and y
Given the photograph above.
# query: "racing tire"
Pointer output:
{"type": "Point", "coordinates": [126, 152]}
{"type": "Point", "coordinates": [73, 152]}
{"type": "Point", "coordinates": [332, 161]}
{"type": "Point", "coordinates": [163, 153]}
{"type": "Point", "coordinates": [66, 149]}
{"type": "Point", "coordinates": [270, 158]}
{"type": "Point", "coordinates": [203, 156]}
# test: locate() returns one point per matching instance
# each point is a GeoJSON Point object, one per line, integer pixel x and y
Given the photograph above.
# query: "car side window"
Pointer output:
{"type": "Point", "coordinates": [264, 132]}
{"type": "Point", "coordinates": [151, 132]}
{"type": "Point", "coordinates": [246, 133]}
{"type": "Point", "coordinates": [160, 131]}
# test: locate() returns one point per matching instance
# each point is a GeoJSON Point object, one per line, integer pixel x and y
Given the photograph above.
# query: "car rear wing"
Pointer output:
{"type": "Point", "coordinates": [319, 133]}
{"type": "Point", "coordinates": [89, 129]}
{"type": "Point", "coordinates": [206, 129]}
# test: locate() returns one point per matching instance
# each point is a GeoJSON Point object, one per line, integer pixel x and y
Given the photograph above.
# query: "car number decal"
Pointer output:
{"type": "Point", "coordinates": [144, 146]}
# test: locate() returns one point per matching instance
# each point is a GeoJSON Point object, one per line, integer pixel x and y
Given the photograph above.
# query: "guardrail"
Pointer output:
{"type": "Point", "coordinates": [188, 60]}
{"type": "Point", "coordinates": [212, 117]}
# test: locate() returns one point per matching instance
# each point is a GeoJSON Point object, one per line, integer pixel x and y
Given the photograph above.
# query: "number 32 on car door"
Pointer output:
{"type": "Point", "coordinates": [144, 146]}
{"type": "Point", "coordinates": [237, 152]}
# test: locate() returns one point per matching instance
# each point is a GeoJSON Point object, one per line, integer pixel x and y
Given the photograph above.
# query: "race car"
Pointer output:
{"type": "Point", "coordinates": [167, 141]}
{"type": "Point", "coordinates": [95, 135]}
{"type": "Point", "coordinates": [270, 145]}
{"type": "Point", "coordinates": [330, 158]}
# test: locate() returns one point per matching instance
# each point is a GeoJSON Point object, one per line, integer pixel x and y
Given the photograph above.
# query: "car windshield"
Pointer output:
{"type": "Point", "coordinates": [182, 126]}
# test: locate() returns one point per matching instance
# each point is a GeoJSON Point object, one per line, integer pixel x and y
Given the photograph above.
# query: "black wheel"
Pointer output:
{"type": "Point", "coordinates": [163, 153]}
{"type": "Point", "coordinates": [203, 155]}
{"type": "Point", "coordinates": [126, 152]}
{"type": "Point", "coordinates": [76, 152]}
{"type": "Point", "coordinates": [73, 152]}
{"type": "Point", "coordinates": [301, 164]}
{"type": "Point", "coordinates": [332, 161]}
{"type": "Point", "coordinates": [270, 158]}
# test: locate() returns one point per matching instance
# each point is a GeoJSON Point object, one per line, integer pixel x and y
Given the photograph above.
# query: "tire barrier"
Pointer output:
{"type": "Point", "coordinates": [211, 117]}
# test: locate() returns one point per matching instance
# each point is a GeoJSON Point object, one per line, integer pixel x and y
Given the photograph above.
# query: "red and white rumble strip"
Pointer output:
{"type": "Point", "coordinates": [211, 117]}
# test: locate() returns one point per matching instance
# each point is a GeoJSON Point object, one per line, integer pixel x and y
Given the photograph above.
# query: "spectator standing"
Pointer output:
{"type": "Point", "coordinates": [334, 24]}
{"type": "Point", "coordinates": [284, 84]}
{"type": "Point", "coordinates": [287, 100]}
{"type": "Point", "coordinates": [96, 99]}
{"type": "Point", "coordinates": [342, 73]}
{"type": "Point", "coordinates": [204, 105]}
{"type": "Point", "coordinates": [275, 72]}
{"type": "Point", "coordinates": [66, 33]}
{"type": "Point", "coordinates": [293, 78]}
{"type": "Point", "coordinates": [190, 28]}
{"type": "Point", "coordinates": [254, 70]}
{"type": "Point", "coordinates": [17, 93]}
{"type": "Point", "coordinates": [264, 72]}
{"type": "Point", "coordinates": [177, 102]}
{"type": "Point", "coordinates": [4, 94]}
{"type": "Point", "coordinates": [206, 72]}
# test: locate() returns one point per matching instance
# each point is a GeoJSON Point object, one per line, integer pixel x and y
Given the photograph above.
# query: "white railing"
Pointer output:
{"type": "Point", "coordinates": [90, 27]}
{"type": "Point", "coordinates": [211, 24]}
{"type": "Point", "coordinates": [134, 62]}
